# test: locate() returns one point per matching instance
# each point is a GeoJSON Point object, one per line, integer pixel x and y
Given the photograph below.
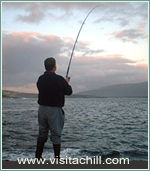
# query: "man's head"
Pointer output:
{"type": "Point", "coordinates": [50, 64]}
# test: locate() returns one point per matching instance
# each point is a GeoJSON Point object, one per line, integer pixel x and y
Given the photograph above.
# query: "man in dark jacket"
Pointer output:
{"type": "Point", "coordinates": [52, 90]}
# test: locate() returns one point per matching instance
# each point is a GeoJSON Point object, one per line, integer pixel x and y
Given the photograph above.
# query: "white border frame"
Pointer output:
{"type": "Point", "coordinates": [1, 79]}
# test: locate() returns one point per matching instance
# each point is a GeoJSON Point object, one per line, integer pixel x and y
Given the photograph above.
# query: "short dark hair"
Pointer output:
{"type": "Point", "coordinates": [49, 63]}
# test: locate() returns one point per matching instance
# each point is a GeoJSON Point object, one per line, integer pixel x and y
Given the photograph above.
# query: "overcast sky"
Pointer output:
{"type": "Point", "coordinates": [112, 47]}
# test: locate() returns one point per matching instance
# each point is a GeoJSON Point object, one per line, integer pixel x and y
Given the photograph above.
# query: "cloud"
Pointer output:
{"type": "Point", "coordinates": [120, 12]}
{"type": "Point", "coordinates": [35, 14]}
{"type": "Point", "coordinates": [129, 35]}
{"type": "Point", "coordinates": [24, 53]}
{"type": "Point", "coordinates": [122, 21]}
{"type": "Point", "coordinates": [93, 73]}
{"type": "Point", "coordinates": [83, 48]}
{"type": "Point", "coordinates": [28, 88]}
{"type": "Point", "coordinates": [123, 13]}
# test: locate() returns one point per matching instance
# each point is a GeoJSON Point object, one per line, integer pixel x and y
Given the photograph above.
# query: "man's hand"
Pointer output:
{"type": "Point", "coordinates": [67, 79]}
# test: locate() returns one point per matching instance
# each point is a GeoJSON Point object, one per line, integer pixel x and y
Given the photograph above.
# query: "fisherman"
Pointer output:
{"type": "Point", "coordinates": [51, 98]}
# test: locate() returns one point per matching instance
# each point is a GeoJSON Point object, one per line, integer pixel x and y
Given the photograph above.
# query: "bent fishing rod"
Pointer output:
{"type": "Point", "coordinates": [77, 40]}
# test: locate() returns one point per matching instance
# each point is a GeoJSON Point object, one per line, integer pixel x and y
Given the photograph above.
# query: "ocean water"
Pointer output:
{"type": "Point", "coordinates": [116, 127]}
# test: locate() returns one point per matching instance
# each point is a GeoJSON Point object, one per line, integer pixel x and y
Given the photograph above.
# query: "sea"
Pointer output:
{"type": "Point", "coordinates": [116, 127]}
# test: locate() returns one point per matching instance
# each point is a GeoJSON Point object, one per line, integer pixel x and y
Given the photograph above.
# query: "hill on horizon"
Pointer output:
{"type": "Point", "coordinates": [13, 94]}
{"type": "Point", "coordinates": [120, 90]}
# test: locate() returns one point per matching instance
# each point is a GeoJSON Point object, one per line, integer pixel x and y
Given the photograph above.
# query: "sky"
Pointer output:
{"type": "Point", "coordinates": [112, 47]}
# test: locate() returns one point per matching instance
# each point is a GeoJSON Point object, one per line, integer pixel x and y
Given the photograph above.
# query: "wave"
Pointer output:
{"type": "Point", "coordinates": [75, 153]}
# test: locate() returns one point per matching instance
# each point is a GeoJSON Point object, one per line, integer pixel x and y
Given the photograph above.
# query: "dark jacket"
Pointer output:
{"type": "Point", "coordinates": [52, 89]}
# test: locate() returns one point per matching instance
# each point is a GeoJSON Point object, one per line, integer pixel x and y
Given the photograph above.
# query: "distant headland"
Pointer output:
{"type": "Point", "coordinates": [120, 90]}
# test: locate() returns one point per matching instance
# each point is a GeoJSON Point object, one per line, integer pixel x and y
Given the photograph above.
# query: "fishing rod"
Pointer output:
{"type": "Point", "coordinates": [77, 40]}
